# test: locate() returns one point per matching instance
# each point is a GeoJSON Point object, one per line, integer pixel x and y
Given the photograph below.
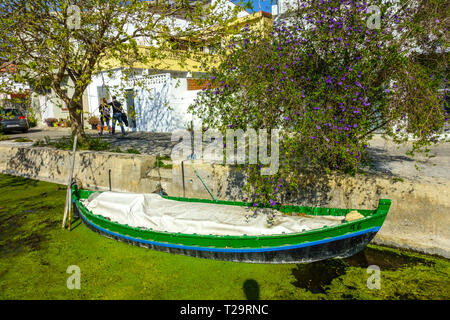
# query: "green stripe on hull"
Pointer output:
{"type": "Point", "coordinates": [373, 218]}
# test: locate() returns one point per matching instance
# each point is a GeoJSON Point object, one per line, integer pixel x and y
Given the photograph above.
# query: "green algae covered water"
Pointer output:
{"type": "Point", "coordinates": [36, 255]}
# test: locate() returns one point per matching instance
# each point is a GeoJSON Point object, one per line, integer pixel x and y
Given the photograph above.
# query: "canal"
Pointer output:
{"type": "Point", "coordinates": [35, 254]}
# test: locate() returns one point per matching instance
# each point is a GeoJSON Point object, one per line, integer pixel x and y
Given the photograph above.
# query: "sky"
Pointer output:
{"type": "Point", "coordinates": [265, 4]}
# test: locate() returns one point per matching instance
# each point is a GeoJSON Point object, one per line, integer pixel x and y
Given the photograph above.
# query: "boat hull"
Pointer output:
{"type": "Point", "coordinates": [335, 247]}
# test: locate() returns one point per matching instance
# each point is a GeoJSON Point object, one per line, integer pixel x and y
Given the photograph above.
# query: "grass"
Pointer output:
{"type": "Point", "coordinates": [35, 253]}
{"type": "Point", "coordinates": [160, 164]}
{"type": "Point", "coordinates": [66, 143]}
{"type": "Point", "coordinates": [116, 150]}
{"type": "Point", "coordinates": [130, 150]}
{"type": "Point", "coordinates": [3, 137]}
{"type": "Point", "coordinates": [95, 144]}
{"type": "Point", "coordinates": [23, 140]}
{"type": "Point", "coordinates": [165, 157]}
{"type": "Point", "coordinates": [133, 151]}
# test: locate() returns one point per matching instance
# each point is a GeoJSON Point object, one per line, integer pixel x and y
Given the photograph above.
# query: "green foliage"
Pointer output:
{"type": "Point", "coordinates": [116, 150]}
{"type": "Point", "coordinates": [23, 140]}
{"type": "Point", "coordinates": [134, 151]}
{"type": "Point", "coordinates": [42, 142]}
{"type": "Point", "coordinates": [328, 81]}
{"type": "Point", "coordinates": [161, 164]}
{"type": "Point", "coordinates": [32, 119]}
{"type": "Point", "coordinates": [62, 43]}
{"type": "Point", "coordinates": [164, 157]}
{"type": "Point", "coordinates": [95, 144]}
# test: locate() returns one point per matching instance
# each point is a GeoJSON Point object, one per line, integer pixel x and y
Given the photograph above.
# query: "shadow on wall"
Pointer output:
{"type": "Point", "coordinates": [153, 111]}
{"type": "Point", "coordinates": [314, 189]}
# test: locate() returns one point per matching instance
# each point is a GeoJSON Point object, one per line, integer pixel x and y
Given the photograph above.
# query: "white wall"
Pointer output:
{"type": "Point", "coordinates": [161, 104]}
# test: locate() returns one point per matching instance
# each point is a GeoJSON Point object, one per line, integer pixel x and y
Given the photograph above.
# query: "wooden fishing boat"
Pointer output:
{"type": "Point", "coordinates": [339, 241]}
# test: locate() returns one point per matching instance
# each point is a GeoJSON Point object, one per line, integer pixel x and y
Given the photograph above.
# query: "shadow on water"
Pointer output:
{"type": "Point", "coordinates": [386, 260]}
{"type": "Point", "coordinates": [75, 223]}
{"type": "Point", "coordinates": [316, 276]}
{"type": "Point", "coordinates": [16, 237]}
{"type": "Point", "coordinates": [251, 289]}
{"type": "Point", "coordinates": [18, 182]}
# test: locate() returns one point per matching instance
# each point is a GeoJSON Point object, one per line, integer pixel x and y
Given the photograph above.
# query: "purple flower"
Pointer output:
{"type": "Point", "coordinates": [313, 137]}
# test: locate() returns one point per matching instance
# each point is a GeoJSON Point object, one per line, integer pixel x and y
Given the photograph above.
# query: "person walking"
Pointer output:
{"type": "Point", "coordinates": [117, 115]}
{"type": "Point", "coordinates": [105, 115]}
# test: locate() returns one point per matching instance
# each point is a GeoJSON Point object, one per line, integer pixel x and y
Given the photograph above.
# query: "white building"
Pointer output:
{"type": "Point", "coordinates": [161, 103]}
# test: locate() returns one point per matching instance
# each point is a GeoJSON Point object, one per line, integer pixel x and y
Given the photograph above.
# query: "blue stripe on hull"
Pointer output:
{"type": "Point", "coordinates": [178, 246]}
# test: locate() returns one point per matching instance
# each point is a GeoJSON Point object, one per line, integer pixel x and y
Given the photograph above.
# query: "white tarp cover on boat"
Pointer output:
{"type": "Point", "coordinates": [153, 211]}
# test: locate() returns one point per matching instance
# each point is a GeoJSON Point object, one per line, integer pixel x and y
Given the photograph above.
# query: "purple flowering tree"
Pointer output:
{"type": "Point", "coordinates": [329, 75]}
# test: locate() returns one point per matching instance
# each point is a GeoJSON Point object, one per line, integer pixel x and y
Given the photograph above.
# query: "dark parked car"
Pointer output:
{"type": "Point", "coordinates": [13, 119]}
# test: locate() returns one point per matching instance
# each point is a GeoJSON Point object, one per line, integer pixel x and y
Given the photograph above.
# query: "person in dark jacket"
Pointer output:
{"type": "Point", "coordinates": [105, 115]}
{"type": "Point", "coordinates": [117, 115]}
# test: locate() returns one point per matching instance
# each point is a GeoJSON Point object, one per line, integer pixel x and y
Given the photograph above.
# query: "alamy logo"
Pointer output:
{"type": "Point", "coordinates": [374, 281]}
{"type": "Point", "coordinates": [211, 147]}
{"type": "Point", "coordinates": [73, 17]}
{"type": "Point", "coordinates": [373, 22]}
{"type": "Point", "coordinates": [73, 282]}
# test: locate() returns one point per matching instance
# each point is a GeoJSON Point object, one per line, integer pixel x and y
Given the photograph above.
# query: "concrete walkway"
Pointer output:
{"type": "Point", "coordinates": [153, 143]}
{"type": "Point", "coordinates": [389, 158]}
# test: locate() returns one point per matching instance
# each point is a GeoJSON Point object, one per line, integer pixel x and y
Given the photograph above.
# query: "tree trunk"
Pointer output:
{"type": "Point", "coordinates": [76, 124]}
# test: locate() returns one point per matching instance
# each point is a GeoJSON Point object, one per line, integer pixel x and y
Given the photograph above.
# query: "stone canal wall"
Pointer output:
{"type": "Point", "coordinates": [419, 218]}
{"type": "Point", "coordinates": [92, 169]}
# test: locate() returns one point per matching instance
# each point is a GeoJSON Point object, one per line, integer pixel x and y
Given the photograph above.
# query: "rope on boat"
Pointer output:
{"type": "Point", "coordinates": [204, 184]}
{"type": "Point", "coordinates": [192, 157]}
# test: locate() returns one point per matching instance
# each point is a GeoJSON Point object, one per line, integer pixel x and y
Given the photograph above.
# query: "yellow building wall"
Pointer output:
{"type": "Point", "coordinates": [190, 61]}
